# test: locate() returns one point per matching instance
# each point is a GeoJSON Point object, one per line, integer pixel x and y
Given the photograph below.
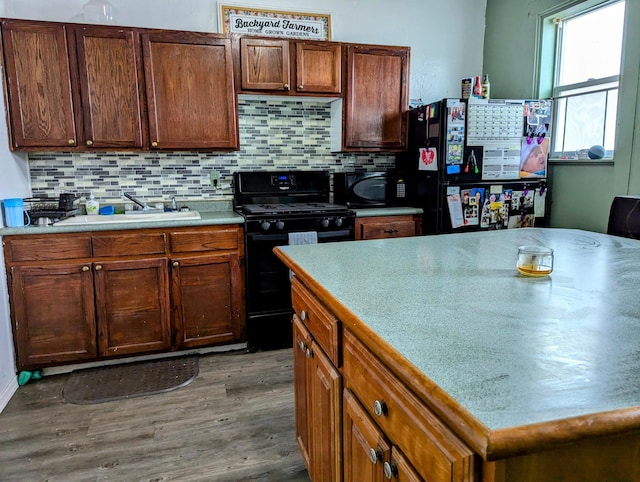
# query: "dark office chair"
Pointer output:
{"type": "Point", "coordinates": [624, 217]}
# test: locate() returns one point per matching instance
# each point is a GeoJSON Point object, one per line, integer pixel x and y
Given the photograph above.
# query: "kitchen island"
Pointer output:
{"type": "Point", "coordinates": [539, 378]}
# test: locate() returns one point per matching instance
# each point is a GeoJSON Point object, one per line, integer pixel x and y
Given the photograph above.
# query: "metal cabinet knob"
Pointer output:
{"type": "Point", "coordinates": [380, 408]}
{"type": "Point", "coordinates": [175, 264]}
{"type": "Point", "coordinates": [303, 315]}
{"type": "Point", "coordinates": [154, 144]}
{"type": "Point", "coordinates": [373, 455]}
{"type": "Point", "coordinates": [390, 470]}
{"type": "Point", "coordinates": [98, 267]}
{"type": "Point", "coordinates": [85, 268]}
{"type": "Point", "coordinates": [301, 87]}
{"type": "Point", "coordinates": [71, 142]}
{"type": "Point", "coordinates": [286, 86]}
{"type": "Point", "coordinates": [89, 142]}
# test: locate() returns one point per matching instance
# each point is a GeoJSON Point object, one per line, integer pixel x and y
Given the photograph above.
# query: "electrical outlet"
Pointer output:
{"type": "Point", "coordinates": [215, 179]}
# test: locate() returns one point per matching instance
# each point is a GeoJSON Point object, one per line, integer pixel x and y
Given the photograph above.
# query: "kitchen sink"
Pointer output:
{"type": "Point", "coordinates": [128, 218]}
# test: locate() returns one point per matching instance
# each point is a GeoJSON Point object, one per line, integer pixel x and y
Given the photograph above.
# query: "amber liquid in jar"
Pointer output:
{"type": "Point", "coordinates": [534, 270]}
{"type": "Point", "coordinates": [535, 260]}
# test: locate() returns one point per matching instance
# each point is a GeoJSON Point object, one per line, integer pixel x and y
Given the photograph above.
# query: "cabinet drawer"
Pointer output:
{"type": "Point", "coordinates": [322, 325]}
{"type": "Point", "coordinates": [121, 244]}
{"type": "Point", "coordinates": [204, 240]}
{"type": "Point", "coordinates": [385, 227]}
{"type": "Point", "coordinates": [434, 450]}
{"type": "Point", "coordinates": [45, 248]}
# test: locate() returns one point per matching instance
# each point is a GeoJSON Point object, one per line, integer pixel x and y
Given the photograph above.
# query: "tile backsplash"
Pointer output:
{"type": "Point", "coordinates": [274, 134]}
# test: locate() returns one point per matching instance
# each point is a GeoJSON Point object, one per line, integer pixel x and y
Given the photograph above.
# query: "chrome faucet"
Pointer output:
{"type": "Point", "coordinates": [143, 205]}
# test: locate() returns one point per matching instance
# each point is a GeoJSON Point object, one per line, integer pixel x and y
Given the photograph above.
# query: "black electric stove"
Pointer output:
{"type": "Point", "coordinates": [280, 208]}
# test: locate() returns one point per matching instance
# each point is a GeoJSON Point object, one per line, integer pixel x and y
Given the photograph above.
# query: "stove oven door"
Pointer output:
{"type": "Point", "coordinates": [269, 289]}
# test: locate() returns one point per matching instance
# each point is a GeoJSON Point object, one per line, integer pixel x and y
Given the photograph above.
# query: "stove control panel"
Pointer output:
{"type": "Point", "coordinates": [296, 224]}
{"type": "Point", "coordinates": [284, 182]}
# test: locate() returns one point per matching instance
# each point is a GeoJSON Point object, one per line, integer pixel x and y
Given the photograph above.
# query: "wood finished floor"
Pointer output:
{"type": "Point", "coordinates": [234, 422]}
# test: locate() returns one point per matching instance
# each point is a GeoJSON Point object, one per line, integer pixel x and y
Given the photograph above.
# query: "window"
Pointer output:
{"type": "Point", "coordinates": [586, 79]}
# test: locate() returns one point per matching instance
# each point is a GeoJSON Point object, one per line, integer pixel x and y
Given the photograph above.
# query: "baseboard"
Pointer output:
{"type": "Point", "coordinates": [7, 392]}
{"type": "Point", "coordinates": [200, 351]}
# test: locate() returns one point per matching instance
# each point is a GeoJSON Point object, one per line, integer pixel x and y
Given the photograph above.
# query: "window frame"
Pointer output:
{"type": "Point", "coordinates": [549, 49]}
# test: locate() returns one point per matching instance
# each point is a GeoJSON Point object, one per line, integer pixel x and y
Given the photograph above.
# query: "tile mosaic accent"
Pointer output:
{"type": "Point", "coordinates": [274, 134]}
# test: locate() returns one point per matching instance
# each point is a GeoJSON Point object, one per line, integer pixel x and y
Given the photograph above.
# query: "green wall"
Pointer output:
{"type": "Point", "coordinates": [581, 193]}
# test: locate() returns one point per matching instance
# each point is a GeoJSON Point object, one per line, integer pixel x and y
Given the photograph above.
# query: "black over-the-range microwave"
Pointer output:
{"type": "Point", "coordinates": [368, 189]}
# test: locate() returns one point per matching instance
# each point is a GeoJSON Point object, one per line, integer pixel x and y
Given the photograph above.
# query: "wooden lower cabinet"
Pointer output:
{"type": "Point", "coordinates": [207, 299]}
{"type": "Point", "coordinates": [380, 227]}
{"type": "Point", "coordinates": [387, 432]}
{"type": "Point", "coordinates": [53, 313]}
{"type": "Point", "coordinates": [82, 297]}
{"type": "Point", "coordinates": [318, 407]}
{"type": "Point", "coordinates": [302, 390]}
{"type": "Point", "coordinates": [365, 447]}
{"type": "Point", "coordinates": [133, 306]}
{"type": "Point", "coordinates": [436, 452]}
{"type": "Point", "coordinates": [368, 455]}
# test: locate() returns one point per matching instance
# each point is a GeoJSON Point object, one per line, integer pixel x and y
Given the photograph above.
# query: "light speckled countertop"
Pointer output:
{"type": "Point", "coordinates": [207, 218]}
{"type": "Point", "coordinates": [511, 350]}
{"type": "Point", "coordinates": [391, 211]}
{"type": "Point", "coordinates": [211, 213]}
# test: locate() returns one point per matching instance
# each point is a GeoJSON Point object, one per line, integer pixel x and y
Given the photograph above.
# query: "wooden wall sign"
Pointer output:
{"type": "Point", "coordinates": [274, 23]}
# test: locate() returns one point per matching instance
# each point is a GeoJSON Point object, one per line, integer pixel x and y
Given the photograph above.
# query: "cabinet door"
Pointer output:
{"type": "Point", "coordinates": [190, 91]}
{"type": "Point", "coordinates": [400, 469]}
{"type": "Point", "coordinates": [317, 386]}
{"type": "Point", "coordinates": [40, 82]}
{"type": "Point", "coordinates": [207, 299]}
{"type": "Point", "coordinates": [365, 448]}
{"type": "Point", "coordinates": [111, 86]}
{"type": "Point", "coordinates": [318, 67]}
{"type": "Point", "coordinates": [324, 421]}
{"type": "Point", "coordinates": [132, 306]}
{"type": "Point", "coordinates": [53, 314]}
{"type": "Point", "coordinates": [264, 64]}
{"type": "Point", "coordinates": [376, 100]}
{"type": "Point", "coordinates": [302, 343]}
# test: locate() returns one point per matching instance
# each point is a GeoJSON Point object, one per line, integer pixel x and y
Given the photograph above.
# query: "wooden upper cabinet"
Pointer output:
{"type": "Point", "coordinates": [264, 64]}
{"type": "Point", "coordinates": [190, 90]}
{"type": "Point", "coordinates": [40, 79]}
{"type": "Point", "coordinates": [319, 67]}
{"type": "Point", "coordinates": [269, 65]}
{"type": "Point", "coordinates": [111, 84]}
{"type": "Point", "coordinates": [376, 98]}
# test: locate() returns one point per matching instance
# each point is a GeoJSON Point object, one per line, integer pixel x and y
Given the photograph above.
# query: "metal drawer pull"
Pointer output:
{"type": "Point", "coordinates": [309, 352]}
{"type": "Point", "coordinates": [303, 315]}
{"type": "Point", "coordinates": [390, 231]}
{"type": "Point", "coordinates": [301, 345]}
{"type": "Point", "coordinates": [390, 470]}
{"type": "Point", "coordinates": [380, 408]}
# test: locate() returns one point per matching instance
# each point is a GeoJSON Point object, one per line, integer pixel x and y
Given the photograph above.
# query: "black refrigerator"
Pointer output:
{"type": "Point", "coordinates": [476, 164]}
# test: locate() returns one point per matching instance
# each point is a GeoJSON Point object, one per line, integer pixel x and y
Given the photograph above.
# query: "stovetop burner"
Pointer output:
{"type": "Point", "coordinates": [292, 208]}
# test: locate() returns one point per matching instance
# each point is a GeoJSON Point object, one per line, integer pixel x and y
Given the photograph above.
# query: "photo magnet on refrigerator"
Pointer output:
{"type": "Point", "coordinates": [427, 159]}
